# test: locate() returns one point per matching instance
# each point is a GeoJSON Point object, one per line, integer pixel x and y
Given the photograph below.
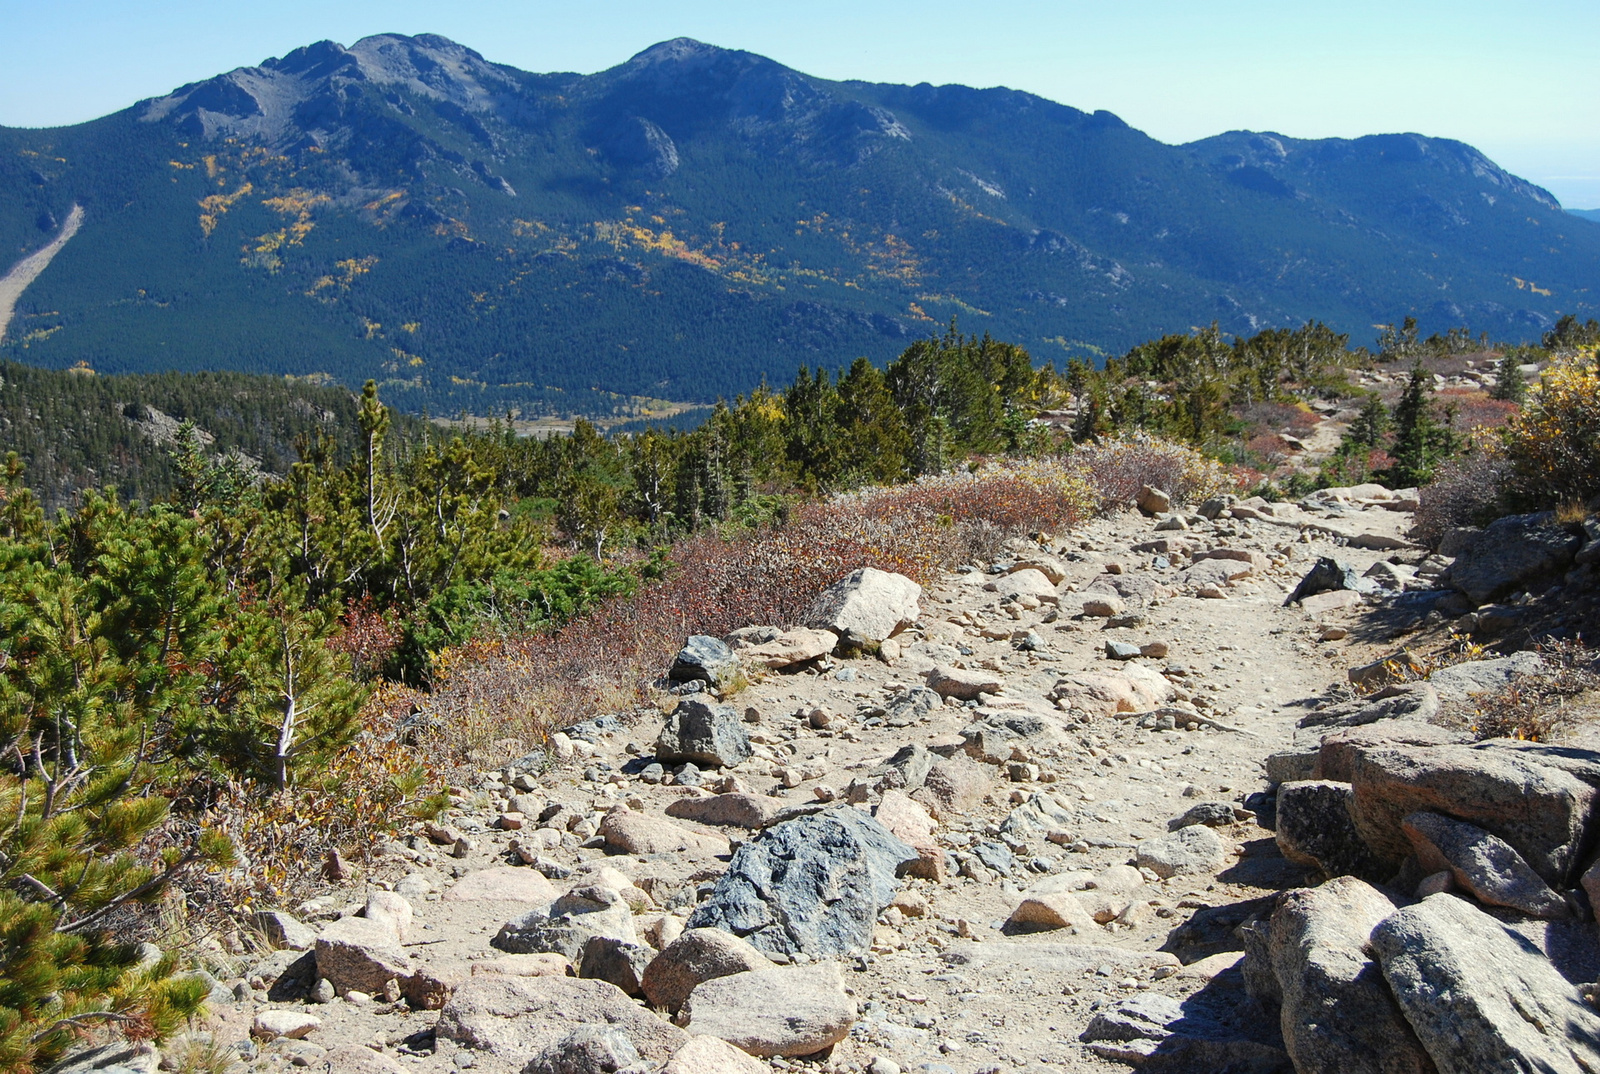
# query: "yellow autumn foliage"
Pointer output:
{"type": "Point", "coordinates": [1552, 447]}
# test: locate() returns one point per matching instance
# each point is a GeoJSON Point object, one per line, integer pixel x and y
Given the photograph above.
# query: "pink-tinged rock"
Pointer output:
{"type": "Point", "coordinates": [788, 648]}
{"type": "Point", "coordinates": [731, 810]}
{"type": "Point", "coordinates": [786, 1010]}
{"type": "Point", "coordinates": [1255, 560]}
{"type": "Point", "coordinates": [954, 787]}
{"type": "Point", "coordinates": [1024, 583]}
{"type": "Point", "coordinates": [963, 683]}
{"type": "Point", "coordinates": [697, 956]}
{"type": "Point", "coordinates": [909, 822]}
{"type": "Point", "coordinates": [1051, 910]}
{"type": "Point", "coordinates": [515, 1017]}
{"type": "Point", "coordinates": [709, 1055]}
{"type": "Point", "coordinates": [538, 965]}
{"type": "Point", "coordinates": [639, 833]}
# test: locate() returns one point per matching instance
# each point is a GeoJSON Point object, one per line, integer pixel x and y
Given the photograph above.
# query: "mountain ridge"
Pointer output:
{"type": "Point", "coordinates": [698, 218]}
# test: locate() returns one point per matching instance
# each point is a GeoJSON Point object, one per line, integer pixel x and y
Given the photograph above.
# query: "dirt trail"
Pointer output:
{"type": "Point", "coordinates": [24, 272]}
{"type": "Point", "coordinates": [949, 987]}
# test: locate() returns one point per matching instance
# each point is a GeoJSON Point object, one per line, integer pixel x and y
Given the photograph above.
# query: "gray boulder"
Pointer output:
{"type": "Point", "coordinates": [1461, 681]}
{"type": "Point", "coordinates": [1509, 552]}
{"type": "Point", "coordinates": [1480, 998]}
{"type": "Point", "coordinates": [705, 734]}
{"type": "Point", "coordinates": [1328, 575]}
{"type": "Point", "coordinates": [908, 769]}
{"type": "Point", "coordinates": [813, 885]}
{"type": "Point", "coordinates": [1314, 827]}
{"type": "Point", "coordinates": [1337, 1014]}
{"type": "Point", "coordinates": [1211, 814]}
{"type": "Point", "coordinates": [707, 660]}
{"type": "Point", "coordinates": [606, 958]}
{"type": "Point", "coordinates": [1483, 864]}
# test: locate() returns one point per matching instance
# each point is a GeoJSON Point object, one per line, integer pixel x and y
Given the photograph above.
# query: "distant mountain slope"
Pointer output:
{"type": "Point", "coordinates": [75, 430]}
{"type": "Point", "coordinates": [697, 218]}
{"type": "Point", "coordinates": [1586, 214]}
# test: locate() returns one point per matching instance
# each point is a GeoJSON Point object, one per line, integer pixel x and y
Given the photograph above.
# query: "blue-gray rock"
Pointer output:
{"type": "Point", "coordinates": [1511, 551]}
{"type": "Point", "coordinates": [705, 659]}
{"type": "Point", "coordinates": [703, 733]}
{"type": "Point", "coordinates": [1121, 650]}
{"type": "Point", "coordinates": [812, 885]}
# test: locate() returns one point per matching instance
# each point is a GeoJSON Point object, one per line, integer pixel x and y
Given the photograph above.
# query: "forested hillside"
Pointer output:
{"type": "Point", "coordinates": [75, 430]}
{"type": "Point", "coordinates": [479, 238]}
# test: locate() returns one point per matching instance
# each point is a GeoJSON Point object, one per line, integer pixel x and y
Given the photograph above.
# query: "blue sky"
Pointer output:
{"type": "Point", "coordinates": [1519, 81]}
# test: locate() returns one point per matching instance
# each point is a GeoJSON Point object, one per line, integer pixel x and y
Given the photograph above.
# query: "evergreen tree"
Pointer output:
{"type": "Point", "coordinates": [1421, 440]}
{"type": "Point", "coordinates": [1509, 383]}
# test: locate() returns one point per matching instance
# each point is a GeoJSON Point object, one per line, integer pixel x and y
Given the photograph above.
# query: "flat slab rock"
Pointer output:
{"type": "Point", "coordinates": [786, 1010]}
{"type": "Point", "coordinates": [1481, 863]}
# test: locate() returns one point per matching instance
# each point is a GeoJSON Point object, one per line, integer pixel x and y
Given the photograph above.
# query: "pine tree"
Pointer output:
{"type": "Point", "coordinates": [1421, 440]}
{"type": "Point", "coordinates": [1509, 383]}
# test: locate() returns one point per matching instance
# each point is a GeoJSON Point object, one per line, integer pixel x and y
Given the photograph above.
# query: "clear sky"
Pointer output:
{"type": "Point", "coordinates": [1521, 81]}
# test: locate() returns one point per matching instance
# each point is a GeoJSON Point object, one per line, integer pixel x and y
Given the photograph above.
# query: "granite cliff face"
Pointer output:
{"type": "Point", "coordinates": [696, 218]}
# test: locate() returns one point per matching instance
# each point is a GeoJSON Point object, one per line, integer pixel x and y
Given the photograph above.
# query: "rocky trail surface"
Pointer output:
{"type": "Point", "coordinates": [1027, 826]}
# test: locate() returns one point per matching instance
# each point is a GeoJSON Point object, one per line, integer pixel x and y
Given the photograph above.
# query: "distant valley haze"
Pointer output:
{"type": "Point", "coordinates": [428, 209]}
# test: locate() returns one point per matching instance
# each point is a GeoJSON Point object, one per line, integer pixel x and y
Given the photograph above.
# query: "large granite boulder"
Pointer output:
{"type": "Point", "coordinates": [1540, 810]}
{"type": "Point", "coordinates": [1511, 551]}
{"type": "Point", "coordinates": [1337, 1014]}
{"type": "Point", "coordinates": [867, 605]}
{"type": "Point", "coordinates": [1480, 997]}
